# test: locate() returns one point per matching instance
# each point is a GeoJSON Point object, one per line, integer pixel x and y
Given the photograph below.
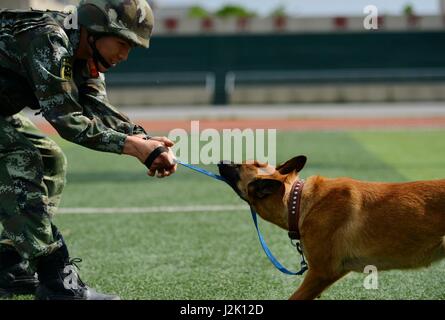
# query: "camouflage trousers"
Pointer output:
{"type": "Point", "coordinates": [32, 178]}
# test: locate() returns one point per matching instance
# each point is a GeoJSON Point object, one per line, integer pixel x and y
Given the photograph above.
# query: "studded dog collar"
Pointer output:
{"type": "Point", "coordinates": [294, 209]}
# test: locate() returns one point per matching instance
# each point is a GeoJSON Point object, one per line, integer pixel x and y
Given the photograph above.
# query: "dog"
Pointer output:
{"type": "Point", "coordinates": [343, 224]}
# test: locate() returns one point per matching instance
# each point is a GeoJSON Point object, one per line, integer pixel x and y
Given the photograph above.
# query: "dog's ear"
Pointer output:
{"type": "Point", "coordinates": [294, 164]}
{"type": "Point", "coordinates": [262, 188]}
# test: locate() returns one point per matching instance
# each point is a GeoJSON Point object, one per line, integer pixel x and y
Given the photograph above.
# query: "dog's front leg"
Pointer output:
{"type": "Point", "coordinates": [313, 285]}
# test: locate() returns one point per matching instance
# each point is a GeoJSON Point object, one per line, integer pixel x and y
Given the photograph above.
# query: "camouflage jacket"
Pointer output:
{"type": "Point", "coordinates": [35, 45]}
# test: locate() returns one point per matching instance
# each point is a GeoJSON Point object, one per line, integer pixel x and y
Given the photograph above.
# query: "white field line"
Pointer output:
{"type": "Point", "coordinates": [135, 210]}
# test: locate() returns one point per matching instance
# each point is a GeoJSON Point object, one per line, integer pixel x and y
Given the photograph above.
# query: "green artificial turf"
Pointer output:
{"type": "Point", "coordinates": [216, 255]}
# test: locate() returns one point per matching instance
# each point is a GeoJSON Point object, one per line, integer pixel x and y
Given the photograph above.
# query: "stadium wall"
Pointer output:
{"type": "Point", "coordinates": [316, 67]}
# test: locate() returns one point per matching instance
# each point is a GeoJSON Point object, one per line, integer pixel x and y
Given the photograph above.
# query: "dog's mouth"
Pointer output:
{"type": "Point", "coordinates": [230, 172]}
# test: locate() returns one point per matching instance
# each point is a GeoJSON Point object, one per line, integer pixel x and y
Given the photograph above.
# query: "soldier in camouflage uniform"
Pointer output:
{"type": "Point", "coordinates": [46, 66]}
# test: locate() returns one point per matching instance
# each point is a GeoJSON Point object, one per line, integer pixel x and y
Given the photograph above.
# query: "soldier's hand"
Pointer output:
{"type": "Point", "coordinates": [164, 158]}
{"type": "Point", "coordinates": [164, 165]}
{"type": "Point", "coordinates": [166, 141]}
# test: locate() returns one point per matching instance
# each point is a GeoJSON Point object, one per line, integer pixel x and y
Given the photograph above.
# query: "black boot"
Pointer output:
{"type": "Point", "coordinates": [59, 279]}
{"type": "Point", "coordinates": [16, 275]}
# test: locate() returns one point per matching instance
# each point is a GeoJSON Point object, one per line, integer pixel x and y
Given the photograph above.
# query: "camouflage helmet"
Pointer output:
{"type": "Point", "coordinates": [131, 20]}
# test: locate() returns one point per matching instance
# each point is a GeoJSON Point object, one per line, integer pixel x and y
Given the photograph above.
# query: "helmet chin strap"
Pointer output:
{"type": "Point", "coordinates": [97, 57]}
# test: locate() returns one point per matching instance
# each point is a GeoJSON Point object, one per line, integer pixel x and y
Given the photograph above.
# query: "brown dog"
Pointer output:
{"type": "Point", "coordinates": [345, 224]}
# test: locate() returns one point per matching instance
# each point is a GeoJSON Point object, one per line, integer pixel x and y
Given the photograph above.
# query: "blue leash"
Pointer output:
{"type": "Point", "coordinates": [207, 173]}
{"type": "Point", "coordinates": [266, 249]}
{"type": "Point", "coordinates": [271, 257]}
